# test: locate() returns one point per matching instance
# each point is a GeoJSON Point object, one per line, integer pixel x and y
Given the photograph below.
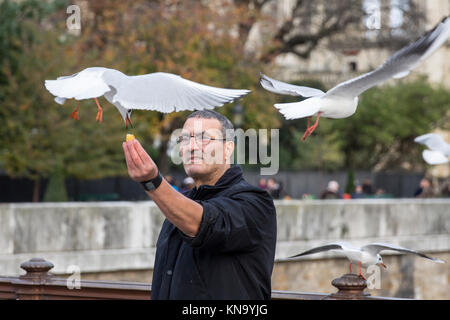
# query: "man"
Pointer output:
{"type": "Point", "coordinates": [425, 189]}
{"type": "Point", "coordinates": [332, 191]}
{"type": "Point", "coordinates": [218, 239]}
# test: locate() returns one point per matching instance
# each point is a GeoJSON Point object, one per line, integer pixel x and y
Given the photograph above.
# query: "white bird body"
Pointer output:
{"type": "Point", "coordinates": [342, 100]}
{"type": "Point", "coordinates": [439, 149]}
{"type": "Point", "coordinates": [356, 256]}
{"type": "Point", "coordinates": [336, 108]}
{"type": "Point", "coordinates": [160, 91]}
{"type": "Point", "coordinates": [364, 256]}
{"type": "Point", "coordinates": [339, 107]}
{"type": "Point", "coordinates": [434, 157]}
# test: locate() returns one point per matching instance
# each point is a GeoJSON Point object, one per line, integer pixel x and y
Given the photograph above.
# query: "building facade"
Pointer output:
{"type": "Point", "coordinates": [386, 26]}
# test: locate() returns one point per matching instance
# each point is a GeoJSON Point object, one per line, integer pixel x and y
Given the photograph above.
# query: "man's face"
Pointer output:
{"type": "Point", "coordinates": [424, 183]}
{"type": "Point", "coordinates": [203, 147]}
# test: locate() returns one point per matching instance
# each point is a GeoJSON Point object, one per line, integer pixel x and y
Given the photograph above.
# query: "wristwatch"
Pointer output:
{"type": "Point", "coordinates": [152, 184]}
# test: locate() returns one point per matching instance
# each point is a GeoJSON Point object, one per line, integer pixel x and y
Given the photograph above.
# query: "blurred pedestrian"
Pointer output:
{"type": "Point", "coordinates": [425, 189]}
{"type": "Point", "coordinates": [367, 187]}
{"type": "Point", "coordinates": [273, 188]}
{"type": "Point", "coordinates": [445, 190]}
{"type": "Point", "coordinates": [171, 180]}
{"type": "Point", "coordinates": [332, 191]}
{"type": "Point", "coordinates": [380, 193]}
{"type": "Point", "coordinates": [358, 194]}
{"type": "Point", "coordinates": [262, 183]}
{"type": "Point", "coordinates": [188, 184]}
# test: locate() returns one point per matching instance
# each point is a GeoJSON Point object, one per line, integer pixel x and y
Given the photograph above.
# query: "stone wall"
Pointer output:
{"type": "Point", "coordinates": [116, 241]}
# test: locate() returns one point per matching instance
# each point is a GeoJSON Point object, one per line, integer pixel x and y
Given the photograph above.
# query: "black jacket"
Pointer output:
{"type": "Point", "coordinates": [232, 255]}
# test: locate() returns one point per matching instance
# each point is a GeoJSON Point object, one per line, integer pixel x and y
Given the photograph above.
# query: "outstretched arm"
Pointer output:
{"type": "Point", "coordinates": [183, 212]}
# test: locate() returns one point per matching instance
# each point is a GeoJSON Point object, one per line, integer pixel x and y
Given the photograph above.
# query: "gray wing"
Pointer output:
{"type": "Point", "coordinates": [434, 142]}
{"type": "Point", "coordinates": [398, 65]}
{"type": "Point", "coordinates": [376, 248]}
{"type": "Point", "coordinates": [167, 92]}
{"type": "Point", "coordinates": [331, 246]}
{"type": "Point", "coordinates": [280, 87]}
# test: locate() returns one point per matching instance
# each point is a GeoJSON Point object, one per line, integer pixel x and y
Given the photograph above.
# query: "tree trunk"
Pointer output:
{"type": "Point", "coordinates": [36, 189]}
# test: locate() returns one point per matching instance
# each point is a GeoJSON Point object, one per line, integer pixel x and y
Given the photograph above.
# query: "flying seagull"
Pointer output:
{"type": "Point", "coordinates": [365, 256]}
{"type": "Point", "coordinates": [439, 149]}
{"type": "Point", "coordinates": [342, 100]}
{"type": "Point", "coordinates": [160, 91]}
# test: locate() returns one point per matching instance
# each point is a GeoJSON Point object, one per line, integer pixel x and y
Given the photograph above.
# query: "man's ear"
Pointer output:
{"type": "Point", "coordinates": [229, 148]}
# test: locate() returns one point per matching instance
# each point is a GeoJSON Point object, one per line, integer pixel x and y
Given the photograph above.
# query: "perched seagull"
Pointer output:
{"type": "Point", "coordinates": [365, 256]}
{"type": "Point", "coordinates": [341, 101]}
{"type": "Point", "coordinates": [163, 92]}
{"type": "Point", "coordinates": [439, 149]}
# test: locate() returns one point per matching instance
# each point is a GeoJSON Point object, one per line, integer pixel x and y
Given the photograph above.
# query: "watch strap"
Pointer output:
{"type": "Point", "coordinates": [152, 184]}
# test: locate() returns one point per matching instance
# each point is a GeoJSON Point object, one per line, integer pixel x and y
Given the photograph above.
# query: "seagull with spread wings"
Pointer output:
{"type": "Point", "coordinates": [366, 255]}
{"type": "Point", "coordinates": [439, 149]}
{"type": "Point", "coordinates": [342, 100]}
{"type": "Point", "coordinates": [160, 91]}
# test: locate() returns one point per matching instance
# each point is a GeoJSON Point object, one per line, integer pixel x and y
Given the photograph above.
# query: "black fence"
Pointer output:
{"type": "Point", "coordinates": [293, 183]}
{"type": "Point", "coordinates": [298, 183]}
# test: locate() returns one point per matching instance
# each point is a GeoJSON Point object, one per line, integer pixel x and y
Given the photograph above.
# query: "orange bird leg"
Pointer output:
{"type": "Point", "coordinates": [126, 122]}
{"type": "Point", "coordinates": [74, 114]}
{"type": "Point", "coordinates": [314, 126]}
{"type": "Point", "coordinates": [311, 129]}
{"type": "Point", "coordinates": [307, 129]}
{"type": "Point", "coordinates": [99, 117]}
{"type": "Point", "coordinates": [360, 272]}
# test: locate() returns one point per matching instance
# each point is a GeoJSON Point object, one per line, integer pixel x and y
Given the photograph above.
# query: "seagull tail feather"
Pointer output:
{"type": "Point", "coordinates": [300, 109]}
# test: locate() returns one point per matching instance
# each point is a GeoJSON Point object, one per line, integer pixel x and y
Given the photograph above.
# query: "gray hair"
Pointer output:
{"type": "Point", "coordinates": [227, 127]}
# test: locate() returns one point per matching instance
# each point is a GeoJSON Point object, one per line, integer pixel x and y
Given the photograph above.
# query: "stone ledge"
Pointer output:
{"type": "Point", "coordinates": [87, 261]}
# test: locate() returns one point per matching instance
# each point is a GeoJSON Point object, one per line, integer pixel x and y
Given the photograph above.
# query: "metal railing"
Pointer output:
{"type": "Point", "coordinates": [39, 284]}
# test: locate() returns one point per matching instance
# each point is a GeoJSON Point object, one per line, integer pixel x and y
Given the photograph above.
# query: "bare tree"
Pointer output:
{"type": "Point", "coordinates": [313, 21]}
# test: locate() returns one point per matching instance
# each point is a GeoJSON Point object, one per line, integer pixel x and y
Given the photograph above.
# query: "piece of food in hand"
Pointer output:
{"type": "Point", "coordinates": [129, 137]}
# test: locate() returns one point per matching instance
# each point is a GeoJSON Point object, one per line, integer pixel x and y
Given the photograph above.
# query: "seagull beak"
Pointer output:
{"type": "Point", "coordinates": [383, 265]}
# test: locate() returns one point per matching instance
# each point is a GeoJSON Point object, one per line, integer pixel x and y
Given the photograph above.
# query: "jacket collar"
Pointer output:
{"type": "Point", "coordinates": [230, 177]}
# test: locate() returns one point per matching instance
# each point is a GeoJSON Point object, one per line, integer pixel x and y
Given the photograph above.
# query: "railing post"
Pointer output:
{"type": "Point", "coordinates": [350, 287]}
{"type": "Point", "coordinates": [30, 286]}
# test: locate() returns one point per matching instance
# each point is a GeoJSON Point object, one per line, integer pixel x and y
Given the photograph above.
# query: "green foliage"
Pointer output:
{"type": "Point", "coordinates": [56, 188]}
{"type": "Point", "coordinates": [350, 187]}
{"type": "Point", "coordinates": [34, 129]}
{"type": "Point", "coordinates": [15, 27]}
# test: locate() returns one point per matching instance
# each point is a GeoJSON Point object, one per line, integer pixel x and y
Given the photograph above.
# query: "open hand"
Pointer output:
{"type": "Point", "coordinates": [141, 166]}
